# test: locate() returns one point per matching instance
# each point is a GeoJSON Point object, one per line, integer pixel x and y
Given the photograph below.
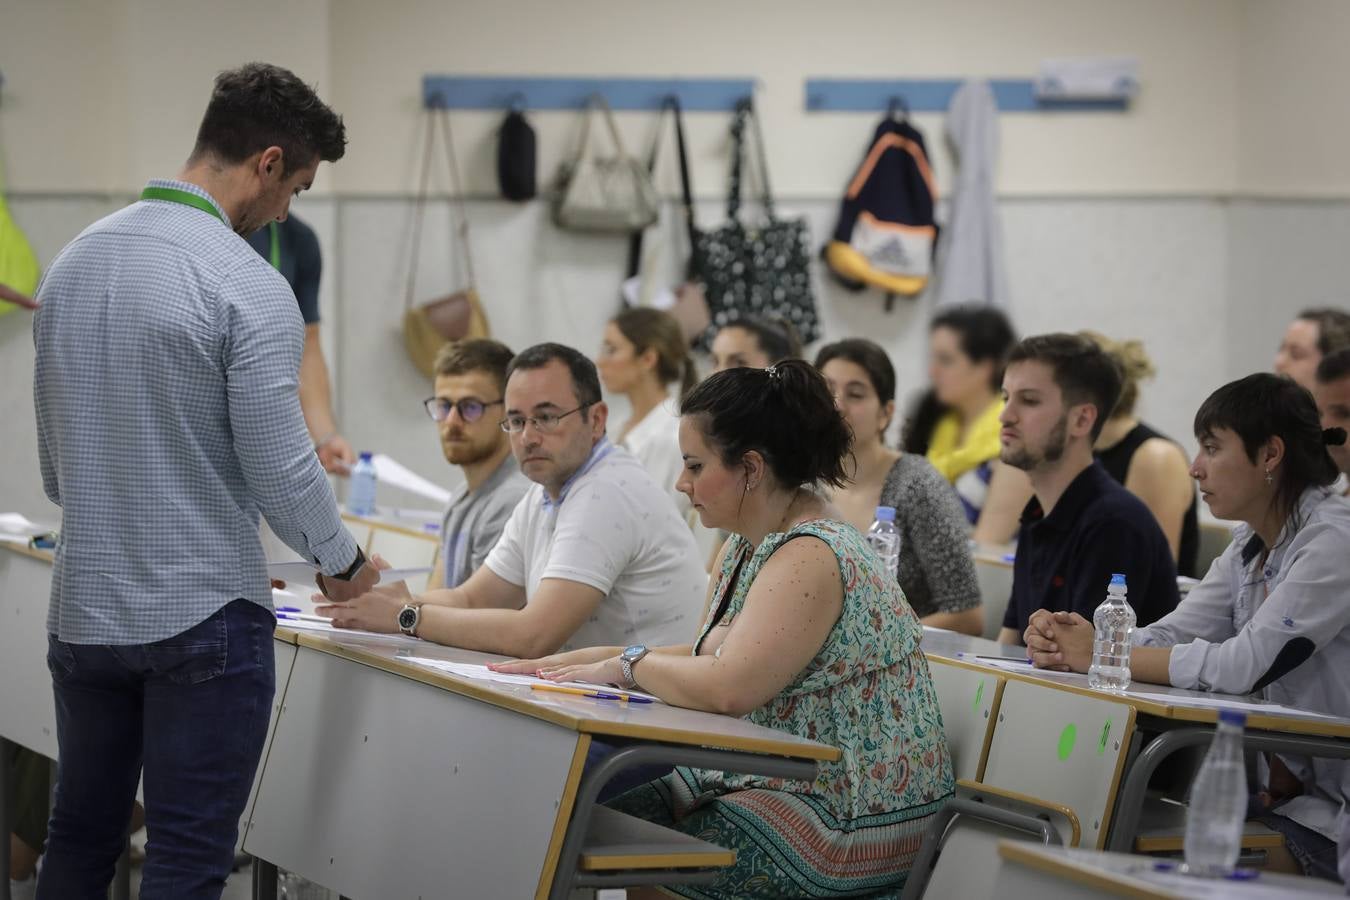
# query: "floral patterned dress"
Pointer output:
{"type": "Point", "coordinates": [856, 829]}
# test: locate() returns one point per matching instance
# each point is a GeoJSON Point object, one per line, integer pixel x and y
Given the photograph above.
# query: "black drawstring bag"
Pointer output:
{"type": "Point", "coordinates": [516, 157]}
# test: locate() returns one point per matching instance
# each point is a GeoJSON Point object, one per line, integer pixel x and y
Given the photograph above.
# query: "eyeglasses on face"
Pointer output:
{"type": "Point", "coordinates": [543, 422]}
{"type": "Point", "coordinates": [471, 409]}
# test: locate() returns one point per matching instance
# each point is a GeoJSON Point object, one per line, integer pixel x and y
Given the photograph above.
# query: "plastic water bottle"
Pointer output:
{"type": "Point", "coordinates": [885, 539]}
{"type": "Point", "coordinates": [361, 494]}
{"type": "Point", "coordinates": [1114, 624]}
{"type": "Point", "coordinates": [1218, 804]}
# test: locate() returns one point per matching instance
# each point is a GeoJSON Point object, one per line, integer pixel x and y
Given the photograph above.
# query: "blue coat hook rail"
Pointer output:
{"type": "Point", "coordinates": [935, 95]}
{"type": "Point", "coordinates": [472, 92]}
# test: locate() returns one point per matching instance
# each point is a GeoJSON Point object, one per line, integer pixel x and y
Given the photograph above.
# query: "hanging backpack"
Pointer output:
{"type": "Point", "coordinates": [886, 233]}
{"type": "Point", "coordinates": [516, 152]}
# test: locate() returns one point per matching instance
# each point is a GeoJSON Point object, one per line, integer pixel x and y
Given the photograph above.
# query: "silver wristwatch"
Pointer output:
{"type": "Point", "coordinates": [629, 658]}
{"type": "Point", "coordinates": [408, 618]}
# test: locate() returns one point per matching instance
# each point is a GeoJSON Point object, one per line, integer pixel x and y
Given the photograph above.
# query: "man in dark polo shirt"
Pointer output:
{"type": "Point", "coordinates": [292, 248]}
{"type": "Point", "coordinates": [1081, 527]}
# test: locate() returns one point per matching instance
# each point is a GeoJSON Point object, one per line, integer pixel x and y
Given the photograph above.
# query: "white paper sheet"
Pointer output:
{"type": "Point", "coordinates": [483, 673]}
{"type": "Point", "coordinates": [391, 472]}
{"type": "Point", "coordinates": [324, 626]}
{"type": "Point", "coordinates": [18, 524]}
{"type": "Point", "coordinates": [1014, 664]}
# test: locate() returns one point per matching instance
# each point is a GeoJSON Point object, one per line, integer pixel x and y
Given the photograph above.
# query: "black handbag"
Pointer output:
{"type": "Point", "coordinates": [759, 270]}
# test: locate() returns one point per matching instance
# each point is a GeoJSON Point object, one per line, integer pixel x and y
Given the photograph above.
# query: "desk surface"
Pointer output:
{"type": "Point", "coordinates": [1121, 874]}
{"type": "Point", "coordinates": [948, 647]}
{"type": "Point", "coordinates": [44, 555]}
{"type": "Point", "coordinates": [654, 722]}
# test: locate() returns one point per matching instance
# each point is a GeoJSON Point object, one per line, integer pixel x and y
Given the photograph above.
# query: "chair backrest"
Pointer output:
{"type": "Point", "coordinates": [995, 581]}
{"type": "Point", "coordinates": [969, 699]}
{"type": "Point", "coordinates": [1214, 539]}
{"type": "Point", "coordinates": [959, 858]}
{"type": "Point", "coordinates": [1063, 747]}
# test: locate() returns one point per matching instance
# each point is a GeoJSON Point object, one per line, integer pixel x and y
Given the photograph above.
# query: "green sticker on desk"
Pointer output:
{"type": "Point", "coordinates": [979, 695]}
{"type": "Point", "coordinates": [1067, 738]}
{"type": "Point", "coordinates": [1106, 733]}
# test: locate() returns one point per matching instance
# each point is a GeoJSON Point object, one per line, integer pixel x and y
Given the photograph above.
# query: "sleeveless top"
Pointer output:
{"type": "Point", "coordinates": [1116, 460]}
{"type": "Point", "coordinates": [868, 690]}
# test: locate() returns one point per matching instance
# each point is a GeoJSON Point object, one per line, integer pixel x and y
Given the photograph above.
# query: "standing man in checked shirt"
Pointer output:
{"type": "Point", "coordinates": [168, 420]}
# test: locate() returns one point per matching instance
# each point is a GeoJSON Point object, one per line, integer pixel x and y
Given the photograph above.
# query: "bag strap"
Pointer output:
{"type": "Point", "coordinates": [761, 158]}
{"type": "Point", "coordinates": [423, 189]}
{"type": "Point", "coordinates": [598, 102]}
{"type": "Point", "coordinates": [671, 104]}
{"type": "Point", "coordinates": [737, 151]}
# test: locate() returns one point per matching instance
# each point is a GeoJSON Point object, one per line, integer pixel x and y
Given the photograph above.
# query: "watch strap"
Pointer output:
{"type": "Point", "coordinates": [355, 567]}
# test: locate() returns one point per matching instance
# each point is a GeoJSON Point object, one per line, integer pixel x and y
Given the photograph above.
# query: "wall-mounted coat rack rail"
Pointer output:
{"type": "Point", "coordinates": [935, 95]}
{"type": "Point", "coordinates": [695, 94]}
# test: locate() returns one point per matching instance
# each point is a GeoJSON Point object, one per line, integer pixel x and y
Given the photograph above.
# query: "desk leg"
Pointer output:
{"type": "Point", "coordinates": [657, 754]}
{"type": "Point", "coordinates": [6, 826]}
{"type": "Point", "coordinates": [1130, 802]}
{"type": "Point", "coordinates": [264, 880]}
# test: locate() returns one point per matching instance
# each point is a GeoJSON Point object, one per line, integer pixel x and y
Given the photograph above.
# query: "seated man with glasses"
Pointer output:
{"type": "Point", "coordinates": [595, 554]}
{"type": "Point", "coordinates": [468, 407]}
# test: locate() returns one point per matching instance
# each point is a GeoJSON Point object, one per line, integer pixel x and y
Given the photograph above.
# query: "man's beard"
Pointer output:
{"type": "Point", "coordinates": [1055, 444]}
{"type": "Point", "coordinates": [466, 453]}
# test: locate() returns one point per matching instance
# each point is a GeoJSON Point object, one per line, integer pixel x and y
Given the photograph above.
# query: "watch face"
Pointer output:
{"type": "Point", "coordinates": [407, 617]}
{"type": "Point", "coordinates": [635, 650]}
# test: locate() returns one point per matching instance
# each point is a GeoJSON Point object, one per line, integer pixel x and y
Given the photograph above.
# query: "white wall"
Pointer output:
{"type": "Point", "coordinates": [1123, 222]}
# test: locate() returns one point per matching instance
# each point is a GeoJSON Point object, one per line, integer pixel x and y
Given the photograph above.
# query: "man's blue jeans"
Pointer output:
{"type": "Point", "coordinates": [193, 710]}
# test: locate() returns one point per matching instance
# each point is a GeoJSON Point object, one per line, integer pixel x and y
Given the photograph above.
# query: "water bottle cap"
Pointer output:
{"type": "Point", "coordinates": [365, 457]}
{"type": "Point", "coordinates": [885, 513]}
{"type": "Point", "coordinates": [1233, 717]}
{"type": "Point", "coordinates": [1117, 579]}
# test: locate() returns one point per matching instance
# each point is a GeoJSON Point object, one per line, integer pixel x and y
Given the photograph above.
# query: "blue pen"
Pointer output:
{"type": "Point", "coordinates": [282, 609]}
{"type": "Point", "coordinates": [630, 698]}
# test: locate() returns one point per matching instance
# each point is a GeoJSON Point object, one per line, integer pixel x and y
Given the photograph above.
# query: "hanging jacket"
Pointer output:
{"type": "Point", "coordinates": [970, 260]}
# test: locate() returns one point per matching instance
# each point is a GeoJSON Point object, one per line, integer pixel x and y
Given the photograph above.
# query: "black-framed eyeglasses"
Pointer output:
{"type": "Point", "coordinates": [471, 409]}
{"type": "Point", "coordinates": [543, 422]}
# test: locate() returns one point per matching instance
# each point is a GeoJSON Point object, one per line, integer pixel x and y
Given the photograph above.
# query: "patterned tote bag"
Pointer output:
{"type": "Point", "coordinates": [761, 269]}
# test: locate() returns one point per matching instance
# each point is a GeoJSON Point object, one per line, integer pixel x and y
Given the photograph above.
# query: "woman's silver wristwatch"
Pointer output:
{"type": "Point", "coordinates": [629, 658]}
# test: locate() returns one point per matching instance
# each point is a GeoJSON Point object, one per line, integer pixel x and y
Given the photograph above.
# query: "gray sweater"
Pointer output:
{"type": "Point", "coordinates": [937, 572]}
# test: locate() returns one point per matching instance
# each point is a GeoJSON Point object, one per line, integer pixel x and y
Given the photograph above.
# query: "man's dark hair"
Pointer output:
{"type": "Point", "coordinates": [585, 380]}
{"type": "Point", "coordinates": [258, 106]}
{"type": "Point", "coordinates": [1084, 372]}
{"type": "Point", "coordinates": [1334, 366]}
{"type": "Point", "coordinates": [1262, 406]}
{"type": "Point", "coordinates": [1333, 328]}
{"type": "Point", "coordinates": [475, 355]}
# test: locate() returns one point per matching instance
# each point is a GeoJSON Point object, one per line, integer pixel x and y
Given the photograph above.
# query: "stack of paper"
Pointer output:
{"type": "Point", "coordinates": [483, 673]}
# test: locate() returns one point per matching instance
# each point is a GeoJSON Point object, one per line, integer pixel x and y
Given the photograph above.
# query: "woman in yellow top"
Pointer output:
{"type": "Point", "coordinates": [955, 424]}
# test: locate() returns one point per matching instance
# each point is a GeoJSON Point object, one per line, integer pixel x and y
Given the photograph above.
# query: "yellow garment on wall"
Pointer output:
{"type": "Point", "coordinates": [980, 445]}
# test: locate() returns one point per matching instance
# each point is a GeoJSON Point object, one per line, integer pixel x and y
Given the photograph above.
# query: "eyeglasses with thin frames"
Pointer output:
{"type": "Point", "coordinates": [471, 409]}
{"type": "Point", "coordinates": [542, 422]}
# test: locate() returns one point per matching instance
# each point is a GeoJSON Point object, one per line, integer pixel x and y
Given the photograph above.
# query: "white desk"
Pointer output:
{"type": "Point", "coordinates": [1058, 873]}
{"type": "Point", "coordinates": [388, 779]}
{"type": "Point", "coordinates": [1162, 727]}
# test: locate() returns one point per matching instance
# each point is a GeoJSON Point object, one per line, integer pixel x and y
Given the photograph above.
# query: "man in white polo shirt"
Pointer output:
{"type": "Point", "coordinates": [594, 554]}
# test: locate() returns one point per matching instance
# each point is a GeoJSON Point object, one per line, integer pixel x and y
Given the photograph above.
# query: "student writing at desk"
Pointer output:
{"type": "Point", "coordinates": [1082, 526]}
{"type": "Point", "coordinates": [595, 552]}
{"type": "Point", "coordinates": [806, 633]}
{"type": "Point", "coordinates": [1273, 615]}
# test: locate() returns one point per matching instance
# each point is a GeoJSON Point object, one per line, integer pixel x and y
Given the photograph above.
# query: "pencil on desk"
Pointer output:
{"type": "Point", "coordinates": [596, 691]}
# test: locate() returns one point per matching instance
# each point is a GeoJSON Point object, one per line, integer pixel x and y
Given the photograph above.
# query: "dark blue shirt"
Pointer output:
{"type": "Point", "coordinates": [301, 262]}
{"type": "Point", "coordinates": [1065, 560]}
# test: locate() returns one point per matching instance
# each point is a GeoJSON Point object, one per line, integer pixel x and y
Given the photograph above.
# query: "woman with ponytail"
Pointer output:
{"type": "Point", "coordinates": [645, 357]}
{"type": "Point", "coordinates": [807, 633]}
{"type": "Point", "coordinates": [1272, 617]}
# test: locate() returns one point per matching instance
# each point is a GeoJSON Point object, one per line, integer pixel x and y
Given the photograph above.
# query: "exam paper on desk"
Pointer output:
{"type": "Point", "coordinates": [483, 673]}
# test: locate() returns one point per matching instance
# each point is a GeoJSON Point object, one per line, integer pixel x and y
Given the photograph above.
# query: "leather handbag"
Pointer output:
{"type": "Point", "coordinates": [430, 325]}
{"type": "Point", "coordinates": [603, 193]}
{"type": "Point", "coordinates": [649, 281]}
{"type": "Point", "coordinates": [760, 269]}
